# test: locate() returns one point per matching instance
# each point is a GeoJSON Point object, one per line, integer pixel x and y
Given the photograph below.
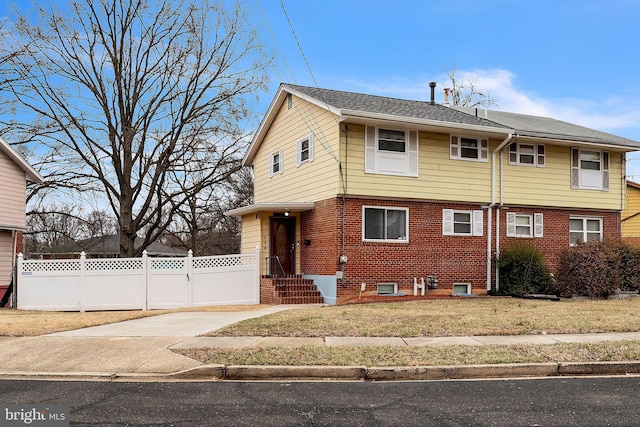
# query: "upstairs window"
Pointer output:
{"type": "Point", "coordinates": [385, 224]}
{"type": "Point", "coordinates": [304, 150]}
{"type": "Point", "coordinates": [589, 169]}
{"type": "Point", "coordinates": [527, 154]}
{"type": "Point", "coordinates": [391, 151]}
{"type": "Point", "coordinates": [469, 148]}
{"type": "Point", "coordinates": [276, 163]}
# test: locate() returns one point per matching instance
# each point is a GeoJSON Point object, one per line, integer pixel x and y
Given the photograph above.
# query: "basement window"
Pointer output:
{"type": "Point", "coordinates": [462, 288]}
{"type": "Point", "coordinates": [387, 288]}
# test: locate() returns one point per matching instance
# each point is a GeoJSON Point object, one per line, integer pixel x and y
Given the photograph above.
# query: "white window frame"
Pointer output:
{"type": "Point", "coordinates": [386, 285]}
{"type": "Point", "coordinates": [459, 284]}
{"type": "Point", "coordinates": [279, 163]}
{"type": "Point", "coordinates": [455, 148]}
{"type": "Point", "coordinates": [585, 232]}
{"type": "Point", "coordinates": [535, 225]}
{"type": "Point", "coordinates": [516, 153]}
{"type": "Point", "coordinates": [387, 162]}
{"type": "Point", "coordinates": [589, 179]}
{"type": "Point", "coordinates": [300, 150]}
{"type": "Point", "coordinates": [449, 223]}
{"type": "Point", "coordinates": [385, 239]}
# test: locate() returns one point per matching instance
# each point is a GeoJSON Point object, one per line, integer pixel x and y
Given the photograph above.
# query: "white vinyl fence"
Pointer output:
{"type": "Point", "coordinates": [137, 283]}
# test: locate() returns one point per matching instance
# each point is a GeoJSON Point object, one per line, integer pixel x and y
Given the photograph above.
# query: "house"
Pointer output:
{"type": "Point", "coordinates": [368, 194]}
{"type": "Point", "coordinates": [106, 247]}
{"type": "Point", "coordinates": [15, 172]}
{"type": "Point", "coordinates": [631, 215]}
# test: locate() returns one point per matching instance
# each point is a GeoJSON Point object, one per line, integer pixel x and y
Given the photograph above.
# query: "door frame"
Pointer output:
{"type": "Point", "coordinates": [289, 224]}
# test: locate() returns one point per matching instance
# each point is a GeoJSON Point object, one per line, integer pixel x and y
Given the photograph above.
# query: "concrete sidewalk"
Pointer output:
{"type": "Point", "coordinates": [142, 349]}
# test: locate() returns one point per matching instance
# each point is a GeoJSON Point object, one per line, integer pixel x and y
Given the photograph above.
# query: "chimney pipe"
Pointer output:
{"type": "Point", "coordinates": [446, 96]}
{"type": "Point", "coordinates": [432, 85]}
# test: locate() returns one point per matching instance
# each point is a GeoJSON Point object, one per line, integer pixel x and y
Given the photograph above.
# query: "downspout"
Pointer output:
{"type": "Point", "coordinates": [499, 148]}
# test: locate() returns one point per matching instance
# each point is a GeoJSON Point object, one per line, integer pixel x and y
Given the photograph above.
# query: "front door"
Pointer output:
{"type": "Point", "coordinates": [283, 231]}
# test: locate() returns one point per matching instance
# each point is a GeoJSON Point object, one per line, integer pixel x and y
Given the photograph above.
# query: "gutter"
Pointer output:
{"type": "Point", "coordinates": [499, 148]}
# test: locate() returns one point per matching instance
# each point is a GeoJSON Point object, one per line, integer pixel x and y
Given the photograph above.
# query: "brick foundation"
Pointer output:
{"type": "Point", "coordinates": [450, 258]}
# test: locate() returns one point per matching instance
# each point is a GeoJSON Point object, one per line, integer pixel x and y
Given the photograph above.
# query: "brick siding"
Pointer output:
{"type": "Point", "coordinates": [450, 258]}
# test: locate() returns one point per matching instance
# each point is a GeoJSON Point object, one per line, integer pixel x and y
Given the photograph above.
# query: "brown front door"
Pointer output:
{"type": "Point", "coordinates": [283, 231]}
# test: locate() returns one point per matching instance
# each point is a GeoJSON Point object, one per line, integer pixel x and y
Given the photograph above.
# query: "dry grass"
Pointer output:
{"type": "Point", "coordinates": [19, 323]}
{"type": "Point", "coordinates": [421, 356]}
{"type": "Point", "coordinates": [459, 317]}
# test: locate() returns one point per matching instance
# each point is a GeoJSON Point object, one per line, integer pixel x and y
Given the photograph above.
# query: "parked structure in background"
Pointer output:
{"type": "Point", "coordinates": [105, 247]}
{"type": "Point", "coordinates": [15, 172]}
{"type": "Point", "coordinates": [355, 191]}
{"type": "Point", "coordinates": [631, 215]}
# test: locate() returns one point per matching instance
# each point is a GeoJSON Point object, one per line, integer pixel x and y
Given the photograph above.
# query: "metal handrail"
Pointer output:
{"type": "Point", "coordinates": [274, 262]}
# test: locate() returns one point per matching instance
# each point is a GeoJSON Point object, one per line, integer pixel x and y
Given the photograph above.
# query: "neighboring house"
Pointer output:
{"type": "Point", "coordinates": [106, 247]}
{"type": "Point", "coordinates": [631, 215]}
{"type": "Point", "coordinates": [359, 192]}
{"type": "Point", "coordinates": [15, 172]}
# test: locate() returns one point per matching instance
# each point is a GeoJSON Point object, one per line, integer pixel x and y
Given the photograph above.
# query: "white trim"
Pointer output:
{"type": "Point", "coordinates": [310, 150]}
{"type": "Point", "coordinates": [31, 174]}
{"type": "Point", "coordinates": [385, 162]}
{"type": "Point", "coordinates": [466, 284]}
{"type": "Point", "coordinates": [536, 225]}
{"type": "Point", "coordinates": [455, 148]}
{"type": "Point", "coordinates": [515, 156]}
{"type": "Point", "coordinates": [272, 156]}
{"type": "Point", "coordinates": [385, 209]}
{"type": "Point", "coordinates": [395, 288]}
{"type": "Point", "coordinates": [584, 231]}
{"type": "Point", "coordinates": [476, 222]}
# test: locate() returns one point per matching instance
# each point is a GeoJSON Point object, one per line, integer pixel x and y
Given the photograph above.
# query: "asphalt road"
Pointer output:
{"type": "Point", "coordinates": [535, 402]}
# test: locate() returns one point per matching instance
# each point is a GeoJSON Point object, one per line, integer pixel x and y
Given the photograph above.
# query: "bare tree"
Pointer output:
{"type": "Point", "coordinates": [465, 93]}
{"type": "Point", "coordinates": [142, 101]}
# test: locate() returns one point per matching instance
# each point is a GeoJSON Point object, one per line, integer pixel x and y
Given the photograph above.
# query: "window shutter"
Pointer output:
{"type": "Point", "coordinates": [484, 149]}
{"type": "Point", "coordinates": [281, 160]}
{"type": "Point", "coordinates": [478, 223]}
{"type": "Point", "coordinates": [511, 224]}
{"type": "Point", "coordinates": [311, 150]}
{"type": "Point", "coordinates": [447, 222]}
{"type": "Point", "coordinates": [513, 153]}
{"type": "Point", "coordinates": [370, 150]}
{"type": "Point", "coordinates": [541, 156]}
{"type": "Point", "coordinates": [538, 221]}
{"type": "Point", "coordinates": [454, 148]}
{"type": "Point", "coordinates": [605, 171]}
{"type": "Point", "coordinates": [413, 153]}
{"type": "Point", "coordinates": [575, 168]}
{"type": "Point", "coordinates": [298, 152]}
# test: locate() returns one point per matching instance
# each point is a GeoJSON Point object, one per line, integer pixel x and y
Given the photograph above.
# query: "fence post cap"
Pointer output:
{"type": "Point", "coordinates": [83, 254]}
{"type": "Point", "coordinates": [190, 253]}
{"type": "Point", "coordinates": [20, 255]}
{"type": "Point", "coordinates": [144, 253]}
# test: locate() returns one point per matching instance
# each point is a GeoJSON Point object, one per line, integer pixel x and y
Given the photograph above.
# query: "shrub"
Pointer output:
{"type": "Point", "coordinates": [590, 269]}
{"type": "Point", "coordinates": [523, 271]}
{"type": "Point", "coordinates": [629, 266]}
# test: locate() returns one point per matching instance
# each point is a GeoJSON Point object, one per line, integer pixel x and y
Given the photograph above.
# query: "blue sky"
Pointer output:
{"type": "Point", "coordinates": [574, 60]}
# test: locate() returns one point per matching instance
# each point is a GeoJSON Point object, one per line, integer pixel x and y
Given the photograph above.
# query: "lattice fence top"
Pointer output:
{"type": "Point", "coordinates": [168, 263]}
{"type": "Point", "coordinates": [114, 264]}
{"type": "Point", "coordinates": [206, 263]}
{"type": "Point", "coordinates": [51, 265]}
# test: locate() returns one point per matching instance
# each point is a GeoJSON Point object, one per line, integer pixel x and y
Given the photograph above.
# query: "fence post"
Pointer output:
{"type": "Point", "coordinates": [189, 268]}
{"type": "Point", "coordinates": [83, 258]}
{"type": "Point", "coordinates": [145, 279]}
{"type": "Point", "coordinates": [15, 300]}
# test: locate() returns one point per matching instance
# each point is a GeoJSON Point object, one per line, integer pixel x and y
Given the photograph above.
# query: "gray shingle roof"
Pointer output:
{"type": "Point", "coordinates": [392, 106]}
{"type": "Point", "coordinates": [110, 246]}
{"type": "Point", "coordinates": [522, 124]}
{"type": "Point", "coordinates": [545, 127]}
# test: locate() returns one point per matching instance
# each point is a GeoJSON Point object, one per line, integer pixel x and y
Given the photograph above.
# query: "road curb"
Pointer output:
{"type": "Point", "coordinates": [217, 372]}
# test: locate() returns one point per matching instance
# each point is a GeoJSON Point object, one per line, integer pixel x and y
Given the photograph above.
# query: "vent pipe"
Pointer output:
{"type": "Point", "coordinates": [432, 85]}
{"type": "Point", "coordinates": [446, 96]}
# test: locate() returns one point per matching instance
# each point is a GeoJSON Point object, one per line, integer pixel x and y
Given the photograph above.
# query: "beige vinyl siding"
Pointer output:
{"type": "Point", "coordinates": [5, 257]}
{"type": "Point", "coordinates": [551, 185]}
{"type": "Point", "coordinates": [631, 226]}
{"type": "Point", "coordinates": [309, 182]}
{"type": "Point", "coordinates": [439, 177]}
{"type": "Point", "coordinates": [12, 193]}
